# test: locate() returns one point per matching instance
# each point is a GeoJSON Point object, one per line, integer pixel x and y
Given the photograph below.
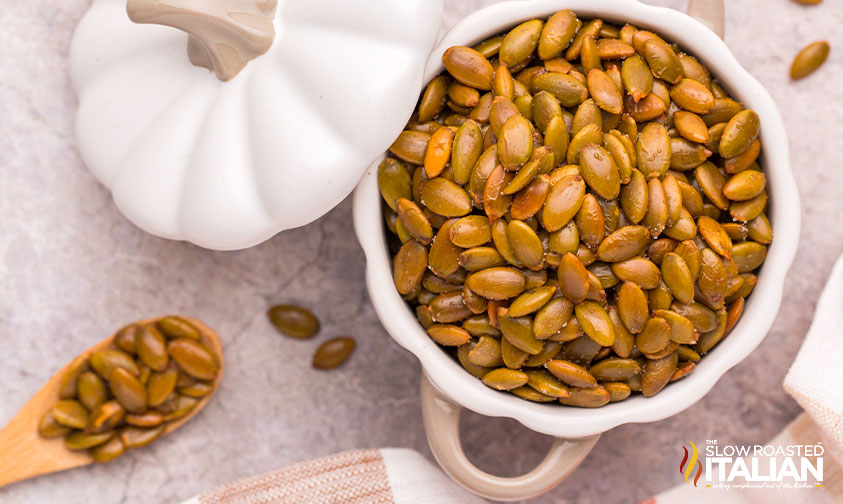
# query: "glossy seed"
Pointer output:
{"type": "Point", "coordinates": [637, 77]}
{"type": "Point", "coordinates": [653, 151]}
{"type": "Point", "coordinates": [525, 175]}
{"type": "Point", "coordinates": [713, 278]}
{"type": "Point", "coordinates": [748, 255]}
{"type": "Point", "coordinates": [591, 222]}
{"type": "Point", "coordinates": [108, 451]}
{"type": "Point", "coordinates": [709, 339]}
{"type": "Point", "coordinates": [450, 306]}
{"type": "Point", "coordinates": [563, 202]}
{"type": "Point", "coordinates": [603, 90]}
{"type": "Point", "coordinates": [471, 231]}
{"type": "Point", "coordinates": [571, 373]}
{"type": "Point", "coordinates": [723, 110]}
{"type": "Point", "coordinates": [136, 437]}
{"type": "Point", "coordinates": [595, 322]}
{"type": "Point", "coordinates": [587, 397]}
{"type": "Point", "coordinates": [745, 211]}
{"type": "Point", "coordinates": [525, 244]}
{"type": "Point", "coordinates": [557, 34]}
{"type": "Point", "coordinates": [531, 301]}
{"type": "Point", "coordinates": [547, 384]}
{"type": "Point", "coordinates": [745, 185]}
{"type": "Point", "coordinates": [91, 390]}
{"type": "Point", "coordinates": [445, 197]}
{"type": "Point", "coordinates": [634, 198]}
{"type": "Point", "coordinates": [295, 321]}
{"type": "Point", "coordinates": [333, 352]}
{"type": "Point", "coordinates": [505, 379]}
{"type": "Point", "coordinates": [530, 200]}
{"type": "Point", "coordinates": [715, 236]}
{"type": "Point", "coordinates": [104, 362]}
{"type": "Point", "coordinates": [712, 182]}
{"type": "Point", "coordinates": [414, 221]}
{"type": "Point", "coordinates": [663, 61]}
{"type": "Point", "coordinates": [125, 338]}
{"type": "Point", "coordinates": [704, 319]}
{"type": "Point", "coordinates": [573, 278]}
{"type": "Point", "coordinates": [739, 134]}
{"type": "Point", "coordinates": [759, 230]}
{"type": "Point", "coordinates": [620, 155]}
{"type": "Point", "coordinates": [519, 333]}
{"type": "Point", "coordinates": [678, 278]}
{"type": "Point", "coordinates": [152, 347]}
{"type": "Point", "coordinates": [552, 317]}
{"type": "Point", "coordinates": [655, 220]}
{"type": "Point", "coordinates": [520, 42]}
{"type": "Point", "coordinates": [615, 369]}
{"type": "Point", "coordinates": [433, 98]}
{"type": "Point", "coordinates": [486, 353]}
{"type": "Point", "coordinates": [638, 270]}
{"type": "Point", "coordinates": [657, 374]}
{"type": "Point", "coordinates": [685, 155]}
{"type": "Point", "coordinates": [569, 91]}
{"type": "Point", "coordinates": [128, 391]}
{"type": "Point", "coordinates": [82, 441]}
{"type": "Point", "coordinates": [692, 96]}
{"type": "Point", "coordinates": [467, 149]}
{"type": "Point", "coordinates": [478, 258]}
{"type": "Point", "coordinates": [462, 96]}
{"type": "Point", "coordinates": [106, 417]}
{"type": "Point", "coordinates": [600, 172]}
{"type": "Point", "coordinates": [623, 244]}
{"type": "Point", "coordinates": [438, 151]}
{"type": "Point", "coordinates": [468, 67]}
{"type": "Point", "coordinates": [632, 307]}
{"type": "Point", "coordinates": [682, 330]}
{"type": "Point", "coordinates": [545, 107]}
{"type": "Point", "coordinates": [160, 386]}
{"type": "Point", "coordinates": [70, 413]}
{"type": "Point", "coordinates": [810, 58]}
{"type": "Point", "coordinates": [193, 358]}
{"type": "Point", "coordinates": [497, 283]}
{"type": "Point", "coordinates": [691, 126]}
{"type": "Point", "coordinates": [49, 428]}
{"type": "Point", "coordinates": [515, 142]}
{"type": "Point", "coordinates": [410, 146]}
{"type": "Point", "coordinates": [176, 327]}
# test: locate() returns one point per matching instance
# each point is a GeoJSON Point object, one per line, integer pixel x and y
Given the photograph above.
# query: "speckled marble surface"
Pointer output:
{"type": "Point", "coordinates": [73, 270]}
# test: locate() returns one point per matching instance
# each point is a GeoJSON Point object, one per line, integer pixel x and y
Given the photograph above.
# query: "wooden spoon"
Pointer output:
{"type": "Point", "coordinates": [25, 454]}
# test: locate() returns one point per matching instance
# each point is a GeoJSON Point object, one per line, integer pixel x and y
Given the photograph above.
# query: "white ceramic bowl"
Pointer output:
{"type": "Point", "coordinates": [451, 382]}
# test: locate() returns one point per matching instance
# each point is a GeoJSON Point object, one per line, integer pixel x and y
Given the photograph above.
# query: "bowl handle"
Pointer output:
{"type": "Point", "coordinates": [710, 13]}
{"type": "Point", "coordinates": [441, 422]}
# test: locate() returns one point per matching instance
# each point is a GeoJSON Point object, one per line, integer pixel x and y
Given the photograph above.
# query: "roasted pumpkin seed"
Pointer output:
{"type": "Point", "coordinates": [810, 58]}
{"type": "Point", "coordinates": [332, 353]}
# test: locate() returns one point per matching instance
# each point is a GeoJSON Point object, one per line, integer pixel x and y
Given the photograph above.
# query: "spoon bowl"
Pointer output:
{"type": "Point", "coordinates": [26, 454]}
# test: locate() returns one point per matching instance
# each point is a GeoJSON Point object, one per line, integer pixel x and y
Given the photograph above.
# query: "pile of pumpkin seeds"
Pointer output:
{"type": "Point", "coordinates": [125, 396]}
{"type": "Point", "coordinates": [576, 210]}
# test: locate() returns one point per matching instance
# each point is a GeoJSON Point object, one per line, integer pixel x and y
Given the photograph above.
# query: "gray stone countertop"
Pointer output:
{"type": "Point", "coordinates": [73, 270]}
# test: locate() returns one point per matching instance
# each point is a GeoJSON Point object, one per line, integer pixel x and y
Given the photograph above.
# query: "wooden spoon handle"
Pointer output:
{"type": "Point", "coordinates": [24, 453]}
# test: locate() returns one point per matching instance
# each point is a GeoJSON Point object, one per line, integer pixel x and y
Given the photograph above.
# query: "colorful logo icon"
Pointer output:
{"type": "Point", "coordinates": [694, 460]}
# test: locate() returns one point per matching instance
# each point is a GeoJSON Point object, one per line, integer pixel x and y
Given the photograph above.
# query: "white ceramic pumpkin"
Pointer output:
{"type": "Point", "coordinates": [227, 165]}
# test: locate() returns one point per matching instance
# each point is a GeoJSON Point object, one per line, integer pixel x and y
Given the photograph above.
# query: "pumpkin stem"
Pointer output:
{"type": "Point", "coordinates": [224, 35]}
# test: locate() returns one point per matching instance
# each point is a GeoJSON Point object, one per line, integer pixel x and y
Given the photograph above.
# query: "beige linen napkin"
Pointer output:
{"type": "Point", "coordinates": [385, 476]}
{"type": "Point", "coordinates": [814, 381]}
